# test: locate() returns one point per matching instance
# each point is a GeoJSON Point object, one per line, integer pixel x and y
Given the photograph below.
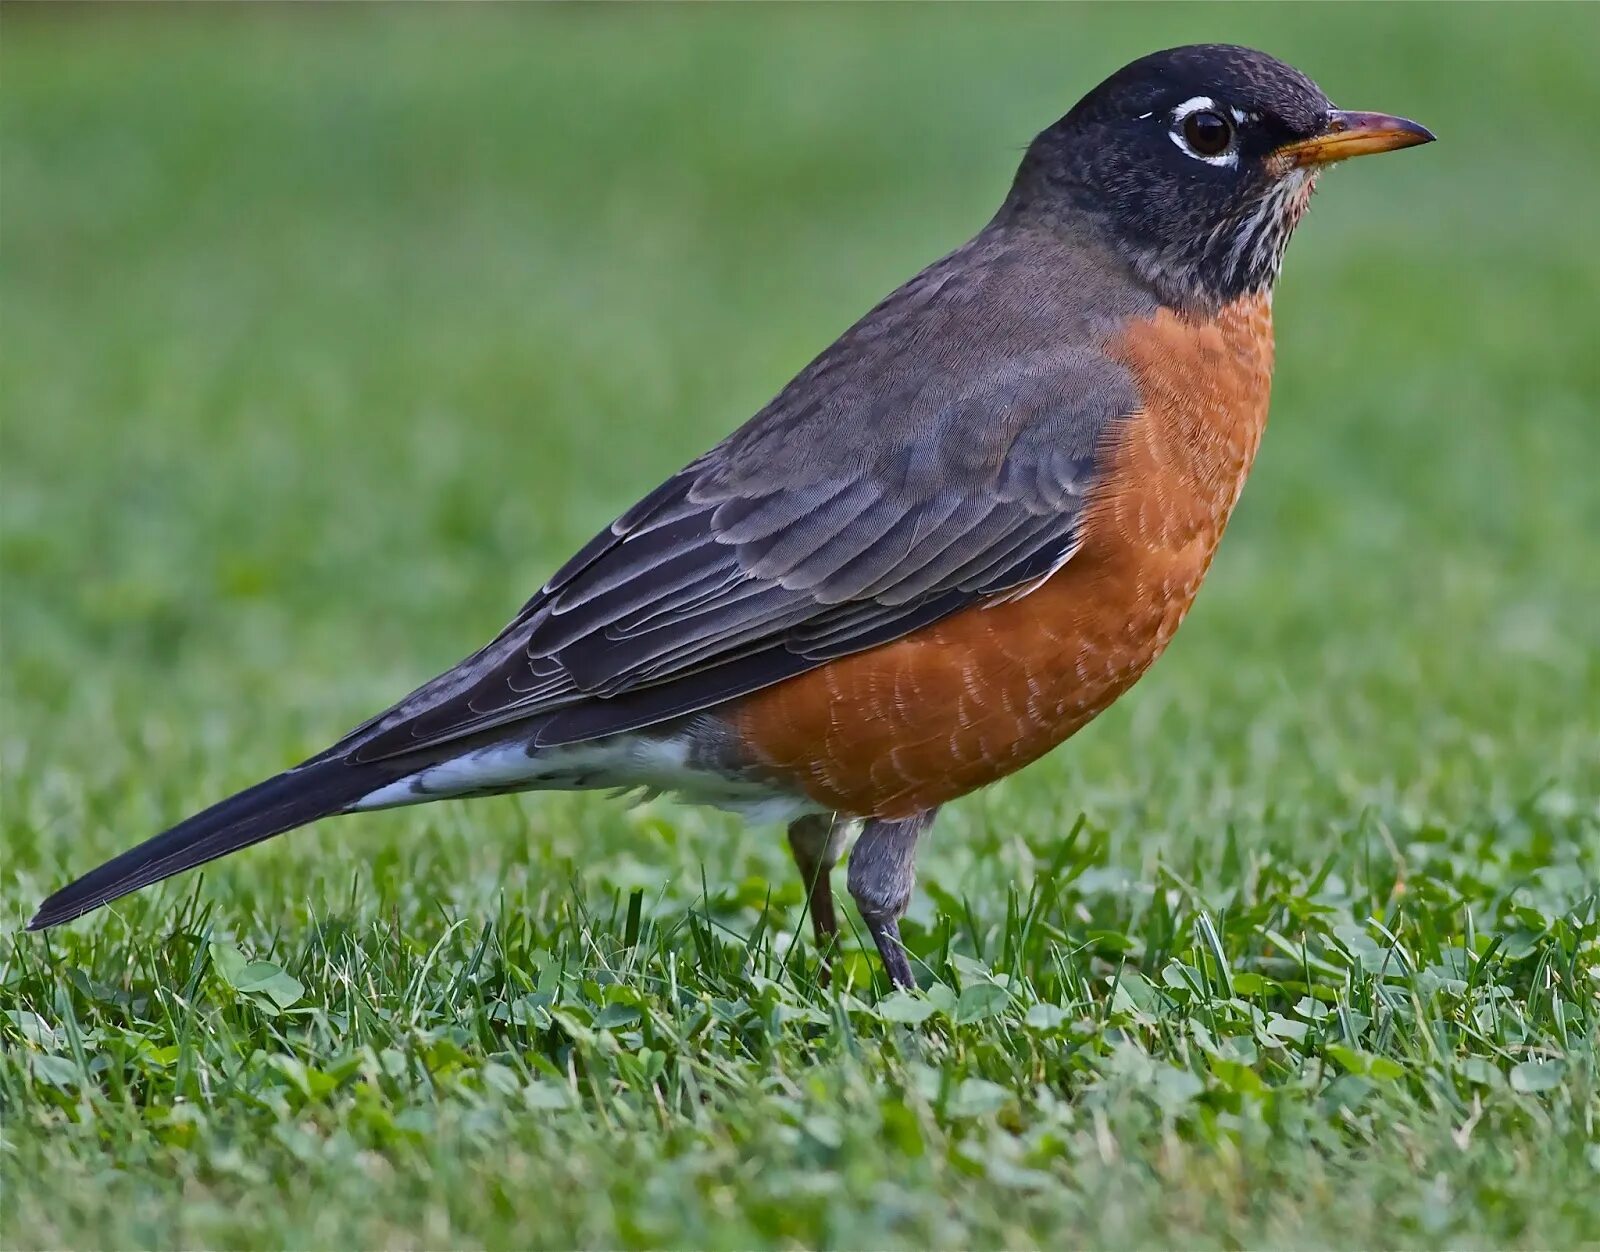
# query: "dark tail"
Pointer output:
{"type": "Point", "coordinates": [291, 799]}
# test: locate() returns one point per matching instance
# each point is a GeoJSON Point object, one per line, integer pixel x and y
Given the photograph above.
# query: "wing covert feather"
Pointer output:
{"type": "Point", "coordinates": [941, 453]}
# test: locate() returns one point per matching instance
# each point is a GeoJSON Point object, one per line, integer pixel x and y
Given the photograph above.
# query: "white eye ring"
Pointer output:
{"type": "Point", "coordinates": [1194, 104]}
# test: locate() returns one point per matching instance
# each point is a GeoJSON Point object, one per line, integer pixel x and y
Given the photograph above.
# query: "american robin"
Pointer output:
{"type": "Point", "coordinates": [953, 539]}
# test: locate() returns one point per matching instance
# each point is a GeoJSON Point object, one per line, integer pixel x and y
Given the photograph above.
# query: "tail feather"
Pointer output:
{"type": "Point", "coordinates": [269, 808]}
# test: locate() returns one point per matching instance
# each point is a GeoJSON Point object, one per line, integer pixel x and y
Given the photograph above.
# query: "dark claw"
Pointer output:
{"type": "Point", "coordinates": [886, 934]}
{"type": "Point", "coordinates": [816, 841]}
{"type": "Point", "coordinates": [882, 872]}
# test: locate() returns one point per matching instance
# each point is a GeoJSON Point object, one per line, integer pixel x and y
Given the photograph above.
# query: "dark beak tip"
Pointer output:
{"type": "Point", "coordinates": [1343, 120]}
{"type": "Point", "coordinates": [1420, 134]}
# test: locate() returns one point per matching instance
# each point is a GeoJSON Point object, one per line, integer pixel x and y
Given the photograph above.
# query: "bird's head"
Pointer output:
{"type": "Point", "coordinates": [1198, 162]}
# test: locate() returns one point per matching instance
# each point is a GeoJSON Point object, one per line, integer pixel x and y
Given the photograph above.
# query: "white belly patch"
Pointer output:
{"type": "Point", "coordinates": [620, 762]}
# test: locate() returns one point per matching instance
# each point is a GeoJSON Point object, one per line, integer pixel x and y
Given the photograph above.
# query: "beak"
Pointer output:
{"type": "Point", "coordinates": [1351, 135]}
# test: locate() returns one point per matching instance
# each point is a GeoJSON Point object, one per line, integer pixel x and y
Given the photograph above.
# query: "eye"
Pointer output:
{"type": "Point", "coordinates": [1208, 134]}
{"type": "Point", "coordinates": [1207, 130]}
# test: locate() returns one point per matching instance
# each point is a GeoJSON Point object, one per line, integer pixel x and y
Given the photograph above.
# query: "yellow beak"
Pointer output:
{"type": "Point", "coordinates": [1351, 135]}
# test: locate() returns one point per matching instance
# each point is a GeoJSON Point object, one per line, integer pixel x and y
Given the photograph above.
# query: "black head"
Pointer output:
{"type": "Point", "coordinates": [1197, 162]}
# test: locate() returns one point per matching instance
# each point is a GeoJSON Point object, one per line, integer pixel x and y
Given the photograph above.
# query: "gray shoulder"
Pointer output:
{"type": "Point", "coordinates": [996, 348]}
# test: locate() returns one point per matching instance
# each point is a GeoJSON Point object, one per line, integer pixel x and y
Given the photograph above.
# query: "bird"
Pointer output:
{"type": "Point", "coordinates": [953, 539]}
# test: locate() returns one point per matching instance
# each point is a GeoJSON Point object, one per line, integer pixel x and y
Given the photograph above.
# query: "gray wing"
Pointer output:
{"type": "Point", "coordinates": [939, 454]}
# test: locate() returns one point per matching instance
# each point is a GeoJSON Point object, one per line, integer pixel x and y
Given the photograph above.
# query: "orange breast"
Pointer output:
{"type": "Point", "coordinates": [903, 727]}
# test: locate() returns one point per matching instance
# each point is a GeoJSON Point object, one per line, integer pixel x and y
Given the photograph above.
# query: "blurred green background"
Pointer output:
{"type": "Point", "coordinates": [329, 332]}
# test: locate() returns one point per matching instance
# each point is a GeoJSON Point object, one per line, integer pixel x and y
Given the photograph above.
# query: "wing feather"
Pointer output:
{"type": "Point", "coordinates": [940, 455]}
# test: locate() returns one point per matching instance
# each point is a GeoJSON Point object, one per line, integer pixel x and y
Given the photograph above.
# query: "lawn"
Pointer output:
{"type": "Point", "coordinates": [329, 333]}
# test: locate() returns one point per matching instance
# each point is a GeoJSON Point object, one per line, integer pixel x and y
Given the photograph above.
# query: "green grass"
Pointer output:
{"type": "Point", "coordinates": [329, 333]}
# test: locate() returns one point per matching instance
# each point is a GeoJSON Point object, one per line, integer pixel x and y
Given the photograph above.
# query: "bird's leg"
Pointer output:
{"type": "Point", "coordinates": [883, 868]}
{"type": "Point", "coordinates": [817, 841]}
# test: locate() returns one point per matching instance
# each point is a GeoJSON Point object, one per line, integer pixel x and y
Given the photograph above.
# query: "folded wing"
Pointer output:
{"type": "Point", "coordinates": [940, 454]}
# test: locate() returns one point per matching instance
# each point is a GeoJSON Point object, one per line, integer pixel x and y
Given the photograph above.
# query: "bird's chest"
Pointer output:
{"type": "Point", "coordinates": [971, 698]}
{"type": "Point", "coordinates": [1173, 472]}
